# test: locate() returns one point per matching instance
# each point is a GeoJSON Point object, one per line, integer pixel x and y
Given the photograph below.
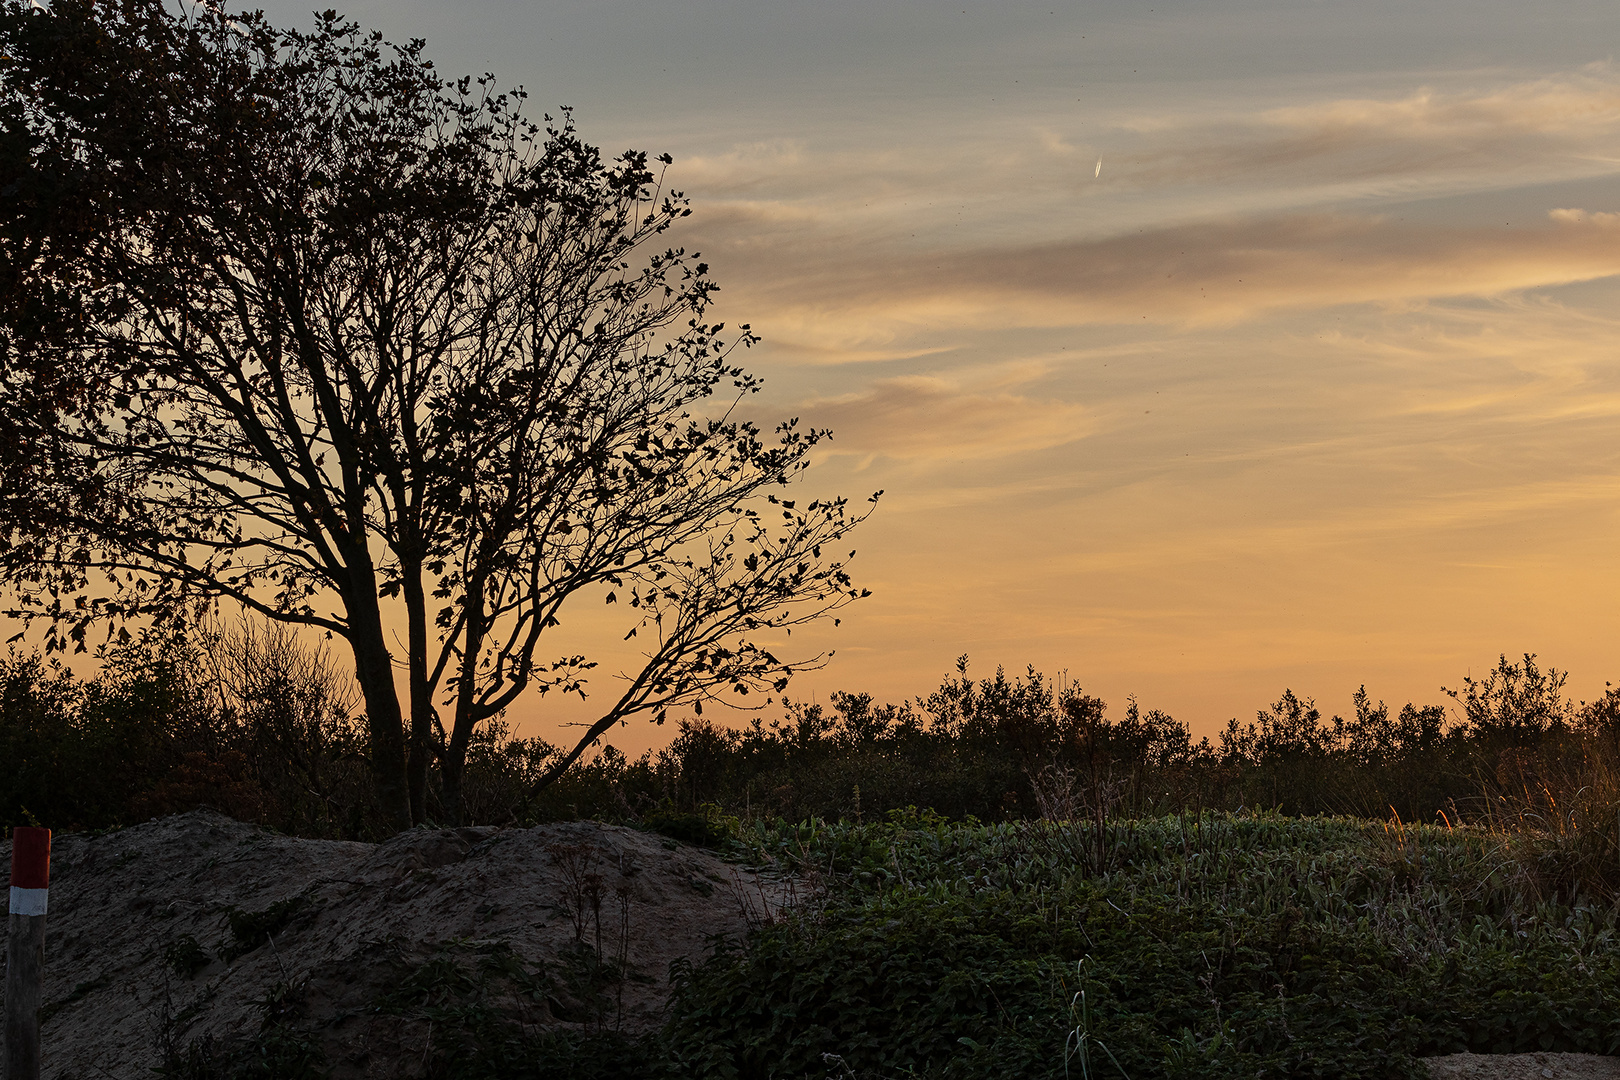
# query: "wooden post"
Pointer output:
{"type": "Point", "coordinates": [25, 949]}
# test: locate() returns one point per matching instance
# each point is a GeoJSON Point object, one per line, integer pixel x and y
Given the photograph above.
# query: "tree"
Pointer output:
{"type": "Point", "coordinates": [298, 324]}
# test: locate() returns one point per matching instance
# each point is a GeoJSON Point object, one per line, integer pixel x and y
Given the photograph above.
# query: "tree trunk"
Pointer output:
{"type": "Point", "coordinates": [450, 772]}
{"type": "Point", "coordinates": [421, 753]}
{"type": "Point", "coordinates": [418, 757]}
{"type": "Point", "coordinates": [453, 767]}
{"type": "Point", "coordinates": [374, 670]}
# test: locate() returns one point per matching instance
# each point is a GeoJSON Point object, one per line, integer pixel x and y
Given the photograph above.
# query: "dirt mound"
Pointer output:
{"type": "Point", "coordinates": [192, 933]}
{"type": "Point", "coordinates": [1524, 1067]}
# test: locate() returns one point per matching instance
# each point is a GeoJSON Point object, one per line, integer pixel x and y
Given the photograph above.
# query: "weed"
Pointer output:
{"type": "Point", "coordinates": [582, 883]}
{"type": "Point", "coordinates": [250, 929]}
{"type": "Point", "coordinates": [1079, 1040]}
{"type": "Point", "coordinates": [709, 826]}
{"type": "Point", "coordinates": [185, 957]}
{"type": "Point", "coordinates": [479, 1000]}
{"type": "Point", "coordinates": [281, 1050]}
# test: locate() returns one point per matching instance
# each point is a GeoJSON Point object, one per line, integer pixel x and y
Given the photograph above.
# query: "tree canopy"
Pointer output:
{"type": "Point", "coordinates": [292, 322]}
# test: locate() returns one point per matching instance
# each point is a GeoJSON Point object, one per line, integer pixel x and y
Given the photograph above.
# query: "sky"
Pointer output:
{"type": "Point", "coordinates": [1202, 350]}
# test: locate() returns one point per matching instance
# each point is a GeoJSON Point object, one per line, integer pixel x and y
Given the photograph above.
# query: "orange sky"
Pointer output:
{"type": "Point", "coordinates": [1314, 382]}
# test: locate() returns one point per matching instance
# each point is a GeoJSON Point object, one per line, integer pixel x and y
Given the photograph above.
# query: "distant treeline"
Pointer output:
{"type": "Point", "coordinates": [253, 723]}
{"type": "Point", "coordinates": [1007, 748]}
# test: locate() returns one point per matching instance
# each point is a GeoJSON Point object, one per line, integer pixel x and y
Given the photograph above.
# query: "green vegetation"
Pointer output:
{"type": "Point", "coordinates": [455, 990]}
{"type": "Point", "coordinates": [1213, 945]}
{"type": "Point", "coordinates": [282, 1049]}
{"type": "Point", "coordinates": [247, 722]}
{"type": "Point", "coordinates": [185, 956]}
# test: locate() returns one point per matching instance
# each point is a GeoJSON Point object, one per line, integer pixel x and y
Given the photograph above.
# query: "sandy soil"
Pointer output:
{"type": "Point", "coordinates": [1525, 1067]}
{"type": "Point", "coordinates": [367, 913]}
{"type": "Point", "coordinates": [120, 902]}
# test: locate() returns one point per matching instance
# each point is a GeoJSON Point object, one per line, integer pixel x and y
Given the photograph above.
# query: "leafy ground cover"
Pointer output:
{"type": "Point", "coordinates": [1218, 946]}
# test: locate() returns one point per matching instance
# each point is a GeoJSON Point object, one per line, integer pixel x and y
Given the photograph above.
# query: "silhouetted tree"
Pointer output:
{"type": "Point", "coordinates": [298, 324]}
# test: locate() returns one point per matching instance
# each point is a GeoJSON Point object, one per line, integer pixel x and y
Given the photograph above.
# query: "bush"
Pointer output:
{"type": "Point", "coordinates": [250, 722]}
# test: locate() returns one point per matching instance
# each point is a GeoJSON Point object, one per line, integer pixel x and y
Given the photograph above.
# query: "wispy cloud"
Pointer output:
{"type": "Point", "coordinates": [927, 418]}
{"type": "Point", "coordinates": [1490, 136]}
{"type": "Point", "coordinates": [850, 251]}
{"type": "Point", "coordinates": [955, 180]}
{"type": "Point", "coordinates": [1195, 274]}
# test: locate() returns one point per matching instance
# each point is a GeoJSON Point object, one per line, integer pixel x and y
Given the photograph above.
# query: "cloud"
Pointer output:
{"type": "Point", "coordinates": [1583, 217]}
{"type": "Point", "coordinates": [1492, 136]}
{"type": "Point", "coordinates": [926, 418]}
{"type": "Point", "coordinates": [826, 353]}
{"type": "Point", "coordinates": [849, 251]}
{"type": "Point", "coordinates": [959, 173]}
{"type": "Point", "coordinates": [1195, 274]}
{"type": "Point", "coordinates": [1580, 102]}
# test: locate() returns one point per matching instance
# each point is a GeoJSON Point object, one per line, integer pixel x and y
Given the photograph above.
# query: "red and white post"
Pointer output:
{"type": "Point", "coordinates": [25, 949]}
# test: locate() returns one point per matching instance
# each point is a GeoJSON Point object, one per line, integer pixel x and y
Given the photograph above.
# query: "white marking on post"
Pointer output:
{"type": "Point", "coordinates": [28, 901]}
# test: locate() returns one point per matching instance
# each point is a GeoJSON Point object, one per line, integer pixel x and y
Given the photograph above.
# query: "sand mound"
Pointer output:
{"type": "Point", "coordinates": [177, 932]}
{"type": "Point", "coordinates": [1524, 1067]}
